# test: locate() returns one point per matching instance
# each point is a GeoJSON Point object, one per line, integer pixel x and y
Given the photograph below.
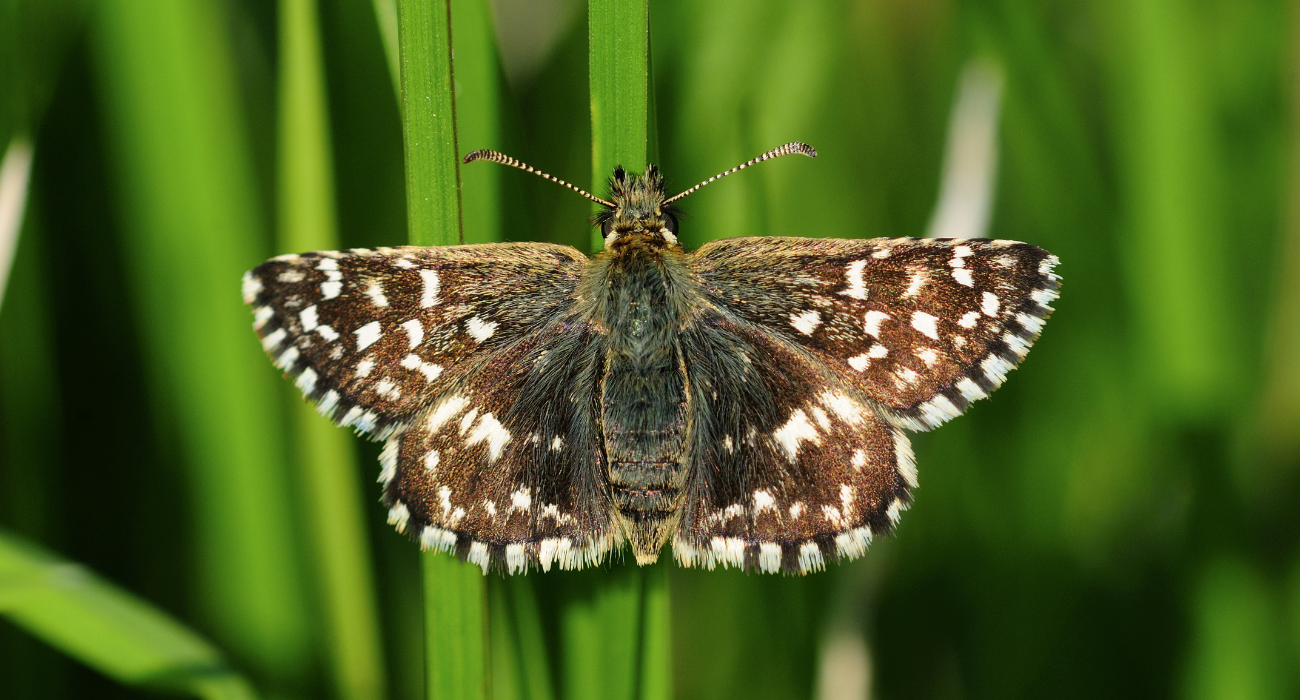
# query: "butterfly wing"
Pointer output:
{"type": "Point", "coordinates": [372, 336]}
{"type": "Point", "coordinates": [505, 467]}
{"type": "Point", "coordinates": [922, 327]}
{"type": "Point", "coordinates": [791, 466]}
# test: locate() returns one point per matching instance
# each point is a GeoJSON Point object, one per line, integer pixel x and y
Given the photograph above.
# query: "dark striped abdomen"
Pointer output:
{"type": "Point", "coordinates": [643, 408]}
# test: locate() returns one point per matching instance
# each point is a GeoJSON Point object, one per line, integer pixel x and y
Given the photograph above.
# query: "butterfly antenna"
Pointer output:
{"type": "Point", "coordinates": [796, 147]}
{"type": "Point", "coordinates": [497, 157]}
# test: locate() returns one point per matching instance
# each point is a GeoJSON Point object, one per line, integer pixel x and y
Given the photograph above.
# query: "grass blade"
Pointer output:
{"type": "Point", "coordinates": [191, 229]}
{"type": "Point", "coordinates": [325, 457]}
{"type": "Point", "coordinates": [107, 628]}
{"type": "Point", "coordinates": [455, 613]}
{"type": "Point", "coordinates": [619, 70]}
{"type": "Point", "coordinates": [618, 641]}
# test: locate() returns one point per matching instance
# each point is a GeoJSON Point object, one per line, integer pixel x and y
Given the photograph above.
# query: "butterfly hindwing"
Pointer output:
{"type": "Point", "coordinates": [373, 335]}
{"type": "Point", "coordinates": [922, 327]}
{"type": "Point", "coordinates": [790, 465]}
{"type": "Point", "coordinates": [505, 468]}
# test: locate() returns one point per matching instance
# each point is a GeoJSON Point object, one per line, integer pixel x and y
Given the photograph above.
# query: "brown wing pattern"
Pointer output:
{"type": "Point", "coordinates": [372, 336]}
{"type": "Point", "coordinates": [922, 327]}
{"type": "Point", "coordinates": [791, 466]}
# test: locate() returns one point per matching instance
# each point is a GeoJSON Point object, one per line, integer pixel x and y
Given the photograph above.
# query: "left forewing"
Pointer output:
{"type": "Point", "coordinates": [372, 336]}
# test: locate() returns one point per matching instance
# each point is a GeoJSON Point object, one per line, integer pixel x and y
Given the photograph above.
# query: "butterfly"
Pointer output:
{"type": "Point", "coordinates": [747, 402]}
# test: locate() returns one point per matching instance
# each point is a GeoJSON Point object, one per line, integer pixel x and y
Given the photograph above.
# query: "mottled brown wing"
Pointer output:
{"type": "Point", "coordinates": [922, 327]}
{"type": "Point", "coordinates": [374, 335]}
{"type": "Point", "coordinates": [505, 468]}
{"type": "Point", "coordinates": [790, 465]}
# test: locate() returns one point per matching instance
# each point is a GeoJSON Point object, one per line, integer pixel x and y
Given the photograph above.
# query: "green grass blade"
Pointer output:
{"type": "Point", "coordinates": [332, 505]}
{"type": "Point", "coordinates": [455, 620]}
{"type": "Point", "coordinates": [107, 628]}
{"type": "Point", "coordinates": [429, 123]}
{"type": "Point", "coordinates": [191, 228]}
{"type": "Point", "coordinates": [455, 612]}
{"type": "Point", "coordinates": [619, 71]}
{"type": "Point", "coordinates": [478, 116]}
{"type": "Point", "coordinates": [617, 639]}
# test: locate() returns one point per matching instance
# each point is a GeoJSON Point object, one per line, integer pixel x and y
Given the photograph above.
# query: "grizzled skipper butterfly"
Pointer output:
{"type": "Point", "coordinates": [746, 401]}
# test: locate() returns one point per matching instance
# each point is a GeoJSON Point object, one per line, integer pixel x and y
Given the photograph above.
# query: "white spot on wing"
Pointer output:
{"type": "Point", "coordinates": [273, 340]}
{"type": "Point", "coordinates": [307, 381]}
{"type": "Point", "coordinates": [853, 274]}
{"type": "Point", "coordinates": [872, 322]}
{"type": "Point", "coordinates": [859, 362]}
{"type": "Point", "coordinates": [806, 322]}
{"type": "Point", "coordinates": [480, 330]}
{"type": "Point", "coordinates": [251, 287]}
{"type": "Point", "coordinates": [376, 294]}
{"type": "Point", "coordinates": [969, 319]}
{"type": "Point", "coordinates": [430, 370]}
{"type": "Point", "coordinates": [490, 430]}
{"type": "Point", "coordinates": [926, 324]}
{"type": "Point", "coordinates": [368, 335]}
{"type": "Point", "coordinates": [478, 554]}
{"type": "Point", "coordinates": [769, 557]}
{"type": "Point", "coordinates": [414, 331]}
{"type": "Point", "coordinates": [308, 319]}
{"type": "Point", "coordinates": [429, 296]}
{"type": "Point", "coordinates": [364, 367]}
{"type": "Point", "coordinates": [989, 304]}
{"type": "Point", "coordinates": [763, 500]}
{"type": "Point", "coordinates": [903, 455]}
{"type": "Point", "coordinates": [330, 290]}
{"type": "Point", "coordinates": [963, 277]}
{"type": "Point", "coordinates": [797, 428]}
{"type": "Point", "coordinates": [810, 557]}
{"type": "Point", "coordinates": [445, 411]}
{"type": "Point", "coordinates": [388, 460]}
{"type": "Point", "coordinates": [521, 500]}
{"type": "Point", "coordinates": [970, 390]}
{"type": "Point", "coordinates": [399, 515]}
{"type": "Point", "coordinates": [918, 280]}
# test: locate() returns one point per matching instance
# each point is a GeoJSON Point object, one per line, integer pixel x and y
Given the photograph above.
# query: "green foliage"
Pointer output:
{"type": "Point", "coordinates": [1119, 520]}
{"type": "Point", "coordinates": [108, 629]}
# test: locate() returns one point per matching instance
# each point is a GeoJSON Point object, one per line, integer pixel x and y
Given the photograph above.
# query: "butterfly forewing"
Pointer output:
{"type": "Point", "coordinates": [921, 326]}
{"type": "Point", "coordinates": [792, 466]}
{"type": "Point", "coordinates": [372, 336]}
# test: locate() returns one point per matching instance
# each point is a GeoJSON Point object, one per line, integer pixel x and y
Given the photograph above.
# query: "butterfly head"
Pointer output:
{"type": "Point", "coordinates": [637, 209]}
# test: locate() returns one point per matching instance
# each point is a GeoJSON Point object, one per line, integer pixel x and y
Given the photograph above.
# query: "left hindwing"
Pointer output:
{"type": "Point", "coordinates": [922, 327]}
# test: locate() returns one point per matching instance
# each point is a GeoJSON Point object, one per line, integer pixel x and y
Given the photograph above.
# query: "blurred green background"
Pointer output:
{"type": "Point", "coordinates": [1120, 520]}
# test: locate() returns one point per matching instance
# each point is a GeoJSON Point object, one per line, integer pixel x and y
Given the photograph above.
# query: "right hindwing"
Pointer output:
{"type": "Point", "coordinates": [373, 336]}
{"type": "Point", "coordinates": [789, 465]}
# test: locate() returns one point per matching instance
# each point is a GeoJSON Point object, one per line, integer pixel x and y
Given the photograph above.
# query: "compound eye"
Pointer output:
{"type": "Point", "coordinates": [606, 228]}
{"type": "Point", "coordinates": [670, 223]}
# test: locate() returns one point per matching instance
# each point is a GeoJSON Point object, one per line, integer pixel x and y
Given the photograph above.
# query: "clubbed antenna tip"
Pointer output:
{"type": "Point", "coordinates": [497, 157]}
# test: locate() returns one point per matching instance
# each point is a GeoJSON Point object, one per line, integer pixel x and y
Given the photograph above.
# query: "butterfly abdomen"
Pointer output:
{"type": "Point", "coordinates": [643, 401]}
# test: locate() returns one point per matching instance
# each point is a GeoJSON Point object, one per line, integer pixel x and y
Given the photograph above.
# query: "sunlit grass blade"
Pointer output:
{"type": "Point", "coordinates": [455, 614]}
{"type": "Point", "coordinates": [325, 457]}
{"type": "Point", "coordinates": [107, 628]}
{"type": "Point", "coordinates": [191, 228]}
